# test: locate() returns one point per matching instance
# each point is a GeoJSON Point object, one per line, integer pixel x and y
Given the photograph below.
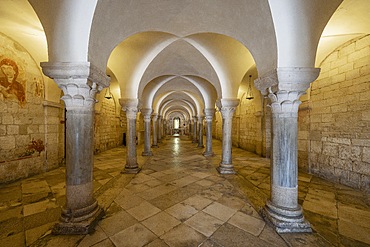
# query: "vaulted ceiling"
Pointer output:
{"type": "Point", "coordinates": [182, 56]}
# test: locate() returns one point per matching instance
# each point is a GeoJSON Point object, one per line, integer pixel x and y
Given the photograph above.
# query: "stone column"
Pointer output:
{"type": "Point", "coordinates": [209, 112]}
{"type": "Point", "coordinates": [159, 134]}
{"type": "Point", "coordinates": [130, 106]}
{"type": "Point", "coordinates": [80, 82]}
{"type": "Point", "coordinates": [200, 132]}
{"type": "Point", "coordinates": [155, 128]}
{"type": "Point", "coordinates": [194, 130]}
{"type": "Point", "coordinates": [284, 87]}
{"type": "Point", "coordinates": [190, 129]}
{"type": "Point", "coordinates": [147, 115]}
{"type": "Point", "coordinates": [228, 107]}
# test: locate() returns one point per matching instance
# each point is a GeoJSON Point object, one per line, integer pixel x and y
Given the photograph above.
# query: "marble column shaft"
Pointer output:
{"type": "Point", "coordinates": [147, 117]}
{"type": "Point", "coordinates": [80, 82]}
{"type": "Point", "coordinates": [200, 132]}
{"type": "Point", "coordinates": [288, 84]}
{"type": "Point", "coordinates": [130, 106]}
{"type": "Point", "coordinates": [194, 130]}
{"type": "Point", "coordinates": [209, 118]}
{"type": "Point", "coordinates": [155, 129]}
{"type": "Point", "coordinates": [159, 129]}
{"type": "Point", "coordinates": [226, 166]}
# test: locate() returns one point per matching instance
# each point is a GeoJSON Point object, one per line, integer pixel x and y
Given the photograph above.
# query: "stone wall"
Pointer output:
{"type": "Point", "coordinates": [339, 133]}
{"type": "Point", "coordinates": [110, 124]}
{"type": "Point", "coordinates": [31, 129]}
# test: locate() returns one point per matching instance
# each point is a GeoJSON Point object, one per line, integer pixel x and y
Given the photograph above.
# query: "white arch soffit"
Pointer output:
{"type": "Point", "coordinates": [180, 58]}
{"type": "Point", "coordinates": [196, 101]}
{"type": "Point", "coordinates": [294, 19]}
{"type": "Point", "coordinates": [180, 85]}
{"type": "Point", "coordinates": [67, 26]}
{"type": "Point", "coordinates": [207, 90]}
{"type": "Point", "coordinates": [158, 102]}
{"type": "Point", "coordinates": [170, 110]}
{"type": "Point", "coordinates": [168, 85]}
{"type": "Point", "coordinates": [187, 18]}
{"type": "Point", "coordinates": [174, 114]}
{"type": "Point", "coordinates": [198, 104]}
{"type": "Point", "coordinates": [134, 68]}
{"type": "Point", "coordinates": [351, 20]}
{"type": "Point", "coordinates": [187, 105]}
{"type": "Point", "coordinates": [230, 69]}
{"type": "Point", "coordinates": [151, 89]}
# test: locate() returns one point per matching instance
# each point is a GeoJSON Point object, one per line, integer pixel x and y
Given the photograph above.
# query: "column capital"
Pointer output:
{"type": "Point", "coordinates": [146, 111]}
{"type": "Point", "coordinates": [130, 106]}
{"type": "Point", "coordinates": [200, 118]}
{"type": "Point", "coordinates": [146, 114]}
{"type": "Point", "coordinates": [80, 81]}
{"type": "Point", "coordinates": [155, 116]}
{"type": "Point", "coordinates": [195, 119]}
{"type": "Point", "coordinates": [228, 106]}
{"type": "Point", "coordinates": [209, 112]}
{"type": "Point", "coordinates": [287, 79]}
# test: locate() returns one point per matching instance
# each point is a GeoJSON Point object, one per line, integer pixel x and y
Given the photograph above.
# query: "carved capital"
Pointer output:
{"type": "Point", "coordinates": [130, 106]}
{"type": "Point", "coordinates": [227, 111]}
{"type": "Point", "coordinates": [200, 119]}
{"type": "Point", "coordinates": [195, 120]}
{"type": "Point", "coordinates": [154, 117]}
{"type": "Point", "coordinates": [80, 81]}
{"type": "Point", "coordinates": [146, 114]}
{"type": "Point", "coordinates": [209, 112]}
{"type": "Point", "coordinates": [285, 101]}
{"type": "Point", "coordinates": [286, 79]}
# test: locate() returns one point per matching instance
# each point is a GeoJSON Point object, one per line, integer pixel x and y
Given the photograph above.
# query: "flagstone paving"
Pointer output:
{"type": "Point", "coordinates": [179, 199]}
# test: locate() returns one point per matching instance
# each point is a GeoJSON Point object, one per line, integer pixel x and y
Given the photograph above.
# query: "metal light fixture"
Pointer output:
{"type": "Point", "coordinates": [108, 94]}
{"type": "Point", "coordinates": [249, 89]}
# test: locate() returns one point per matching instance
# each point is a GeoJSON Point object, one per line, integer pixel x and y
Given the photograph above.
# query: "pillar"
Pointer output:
{"type": "Point", "coordinates": [130, 106]}
{"type": "Point", "coordinates": [147, 115]}
{"type": "Point", "coordinates": [228, 107]}
{"type": "Point", "coordinates": [159, 134]}
{"type": "Point", "coordinates": [194, 130]}
{"type": "Point", "coordinates": [288, 84]}
{"type": "Point", "coordinates": [80, 82]}
{"type": "Point", "coordinates": [155, 129]}
{"type": "Point", "coordinates": [209, 112]}
{"type": "Point", "coordinates": [200, 132]}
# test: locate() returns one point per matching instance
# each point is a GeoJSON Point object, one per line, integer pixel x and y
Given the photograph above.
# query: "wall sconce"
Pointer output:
{"type": "Point", "coordinates": [108, 94]}
{"type": "Point", "coordinates": [249, 89]}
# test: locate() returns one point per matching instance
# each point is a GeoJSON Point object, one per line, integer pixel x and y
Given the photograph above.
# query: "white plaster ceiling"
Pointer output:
{"type": "Point", "coordinates": [208, 45]}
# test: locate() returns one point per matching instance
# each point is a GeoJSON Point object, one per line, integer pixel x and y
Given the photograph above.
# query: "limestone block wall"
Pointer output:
{"type": "Point", "coordinates": [339, 130]}
{"type": "Point", "coordinates": [247, 126]}
{"type": "Point", "coordinates": [109, 124]}
{"type": "Point", "coordinates": [31, 128]}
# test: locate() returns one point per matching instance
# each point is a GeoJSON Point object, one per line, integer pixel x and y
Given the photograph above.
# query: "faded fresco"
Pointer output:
{"type": "Point", "coordinates": [20, 77]}
{"type": "Point", "coordinates": [21, 103]}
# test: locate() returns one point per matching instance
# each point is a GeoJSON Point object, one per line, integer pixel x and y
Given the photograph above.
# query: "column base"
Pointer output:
{"type": "Point", "coordinates": [76, 226]}
{"type": "Point", "coordinates": [154, 146]}
{"type": "Point", "coordinates": [208, 154]}
{"type": "Point", "coordinates": [285, 220]}
{"type": "Point", "coordinates": [147, 153]}
{"type": "Point", "coordinates": [226, 169]}
{"type": "Point", "coordinates": [131, 170]}
{"type": "Point", "coordinates": [200, 146]}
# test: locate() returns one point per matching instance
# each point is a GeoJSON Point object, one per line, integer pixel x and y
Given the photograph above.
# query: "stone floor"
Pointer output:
{"type": "Point", "coordinates": [178, 199]}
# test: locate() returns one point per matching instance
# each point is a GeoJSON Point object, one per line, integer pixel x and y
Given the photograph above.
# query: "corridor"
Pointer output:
{"type": "Point", "coordinates": [179, 199]}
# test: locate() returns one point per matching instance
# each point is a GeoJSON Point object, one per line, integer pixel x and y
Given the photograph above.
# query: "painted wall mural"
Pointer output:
{"type": "Point", "coordinates": [22, 115]}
